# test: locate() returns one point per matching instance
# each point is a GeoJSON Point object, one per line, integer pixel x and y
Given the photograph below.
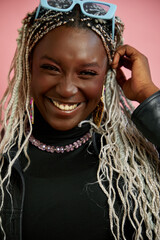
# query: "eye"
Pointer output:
{"type": "Point", "coordinates": [49, 67]}
{"type": "Point", "coordinates": [88, 73]}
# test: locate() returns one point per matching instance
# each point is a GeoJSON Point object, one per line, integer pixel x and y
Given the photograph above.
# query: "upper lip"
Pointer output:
{"type": "Point", "coordinates": [64, 102]}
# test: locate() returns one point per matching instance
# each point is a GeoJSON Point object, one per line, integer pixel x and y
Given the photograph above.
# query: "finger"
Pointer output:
{"type": "Point", "coordinates": [123, 62]}
{"type": "Point", "coordinates": [115, 62]}
{"type": "Point", "coordinates": [126, 62]}
{"type": "Point", "coordinates": [124, 51]}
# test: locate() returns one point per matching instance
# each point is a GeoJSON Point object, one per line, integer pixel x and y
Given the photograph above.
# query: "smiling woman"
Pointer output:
{"type": "Point", "coordinates": [68, 71]}
{"type": "Point", "coordinates": [82, 170]}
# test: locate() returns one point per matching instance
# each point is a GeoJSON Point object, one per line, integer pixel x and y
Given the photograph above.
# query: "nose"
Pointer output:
{"type": "Point", "coordinates": [66, 87]}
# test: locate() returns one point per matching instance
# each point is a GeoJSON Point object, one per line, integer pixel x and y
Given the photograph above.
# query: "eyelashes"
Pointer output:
{"type": "Point", "coordinates": [54, 69]}
{"type": "Point", "coordinates": [49, 67]}
{"type": "Point", "coordinates": [88, 73]}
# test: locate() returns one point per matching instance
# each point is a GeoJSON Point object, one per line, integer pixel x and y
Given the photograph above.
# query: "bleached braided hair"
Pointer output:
{"type": "Point", "coordinates": [125, 156]}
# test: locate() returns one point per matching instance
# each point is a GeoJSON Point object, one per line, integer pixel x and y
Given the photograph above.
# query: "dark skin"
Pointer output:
{"type": "Point", "coordinates": [140, 85]}
{"type": "Point", "coordinates": [69, 67]}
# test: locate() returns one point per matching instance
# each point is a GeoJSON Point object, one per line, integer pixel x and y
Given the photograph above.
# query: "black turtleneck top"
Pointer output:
{"type": "Point", "coordinates": [62, 198]}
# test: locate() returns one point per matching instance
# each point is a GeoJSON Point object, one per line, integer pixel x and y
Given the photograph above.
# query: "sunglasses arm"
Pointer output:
{"type": "Point", "coordinates": [37, 12]}
{"type": "Point", "coordinates": [113, 27]}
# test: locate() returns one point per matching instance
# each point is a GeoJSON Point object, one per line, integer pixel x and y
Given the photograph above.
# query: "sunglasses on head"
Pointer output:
{"type": "Point", "coordinates": [93, 9]}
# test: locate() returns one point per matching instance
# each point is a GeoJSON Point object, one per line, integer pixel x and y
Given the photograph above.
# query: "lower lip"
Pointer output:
{"type": "Point", "coordinates": [66, 113]}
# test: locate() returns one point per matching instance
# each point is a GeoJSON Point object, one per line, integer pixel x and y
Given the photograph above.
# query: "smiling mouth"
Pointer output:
{"type": "Point", "coordinates": [64, 107]}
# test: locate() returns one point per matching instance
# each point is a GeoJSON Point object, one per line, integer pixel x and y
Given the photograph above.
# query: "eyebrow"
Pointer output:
{"type": "Point", "coordinates": [92, 64]}
{"type": "Point", "coordinates": [50, 59]}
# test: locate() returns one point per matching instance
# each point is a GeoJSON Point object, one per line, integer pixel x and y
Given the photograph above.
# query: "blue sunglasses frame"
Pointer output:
{"type": "Point", "coordinates": [110, 15]}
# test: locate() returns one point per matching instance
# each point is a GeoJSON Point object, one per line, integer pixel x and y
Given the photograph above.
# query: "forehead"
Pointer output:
{"type": "Point", "coordinates": [71, 40]}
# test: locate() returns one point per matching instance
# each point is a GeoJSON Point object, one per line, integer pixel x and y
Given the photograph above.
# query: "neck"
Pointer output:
{"type": "Point", "coordinates": [45, 133]}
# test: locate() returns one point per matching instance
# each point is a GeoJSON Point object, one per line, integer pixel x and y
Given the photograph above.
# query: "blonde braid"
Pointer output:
{"type": "Point", "coordinates": [134, 160]}
{"type": "Point", "coordinates": [124, 151]}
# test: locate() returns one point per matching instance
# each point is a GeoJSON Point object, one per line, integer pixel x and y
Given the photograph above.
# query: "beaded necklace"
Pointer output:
{"type": "Point", "coordinates": [60, 149]}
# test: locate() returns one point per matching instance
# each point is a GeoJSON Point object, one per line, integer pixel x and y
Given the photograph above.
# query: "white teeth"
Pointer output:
{"type": "Point", "coordinates": [65, 107]}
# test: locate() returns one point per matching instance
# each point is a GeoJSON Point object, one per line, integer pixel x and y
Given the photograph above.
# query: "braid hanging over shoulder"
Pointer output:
{"type": "Point", "coordinates": [127, 161]}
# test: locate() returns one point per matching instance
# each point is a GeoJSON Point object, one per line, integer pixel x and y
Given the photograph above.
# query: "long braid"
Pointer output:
{"type": "Point", "coordinates": [124, 152]}
{"type": "Point", "coordinates": [136, 162]}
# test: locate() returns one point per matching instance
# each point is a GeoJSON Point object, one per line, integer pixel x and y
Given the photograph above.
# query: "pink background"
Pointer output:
{"type": "Point", "coordinates": [142, 30]}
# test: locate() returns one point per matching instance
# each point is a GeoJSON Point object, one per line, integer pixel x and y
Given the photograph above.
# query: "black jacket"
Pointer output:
{"type": "Point", "coordinates": [147, 119]}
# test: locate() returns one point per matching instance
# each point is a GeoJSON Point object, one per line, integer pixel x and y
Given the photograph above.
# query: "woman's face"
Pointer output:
{"type": "Point", "coordinates": [68, 71]}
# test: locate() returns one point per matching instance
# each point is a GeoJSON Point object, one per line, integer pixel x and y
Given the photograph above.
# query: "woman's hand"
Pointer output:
{"type": "Point", "coordinates": [140, 85]}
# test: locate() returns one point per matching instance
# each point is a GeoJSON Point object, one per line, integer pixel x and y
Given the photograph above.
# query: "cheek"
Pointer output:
{"type": "Point", "coordinates": [40, 84]}
{"type": "Point", "coordinates": [94, 91]}
{"type": "Point", "coordinates": [39, 81]}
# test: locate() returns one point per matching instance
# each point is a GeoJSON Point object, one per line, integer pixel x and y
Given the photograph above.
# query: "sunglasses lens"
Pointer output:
{"type": "Point", "coordinates": [63, 4]}
{"type": "Point", "coordinates": [96, 9]}
{"type": "Point", "coordinates": [92, 8]}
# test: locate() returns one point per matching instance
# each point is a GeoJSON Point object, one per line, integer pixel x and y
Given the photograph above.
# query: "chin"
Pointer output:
{"type": "Point", "coordinates": [63, 126]}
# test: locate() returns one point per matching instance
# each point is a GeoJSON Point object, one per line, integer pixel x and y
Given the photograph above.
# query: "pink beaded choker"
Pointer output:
{"type": "Point", "coordinates": [60, 149]}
